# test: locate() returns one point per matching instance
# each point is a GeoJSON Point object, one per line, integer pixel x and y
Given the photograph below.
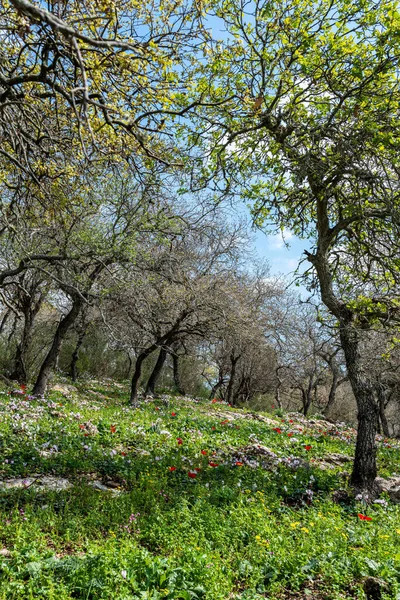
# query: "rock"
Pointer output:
{"type": "Point", "coordinates": [64, 389]}
{"type": "Point", "coordinates": [331, 461]}
{"type": "Point", "coordinates": [98, 485]}
{"type": "Point", "coordinates": [341, 497]}
{"type": "Point", "coordinates": [374, 587]}
{"type": "Point", "coordinates": [391, 486]}
{"type": "Point", "coordinates": [337, 459]}
{"type": "Point", "coordinates": [39, 482]}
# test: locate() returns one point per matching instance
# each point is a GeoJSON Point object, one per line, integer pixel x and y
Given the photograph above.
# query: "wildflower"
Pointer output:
{"type": "Point", "coordinates": [198, 469]}
{"type": "Point", "coordinates": [308, 447]}
{"type": "Point", "coordinates": [290, 434]}
{"type": "Point", "coordinates": [239, 464]}
{"type": "Point", "coordinates": [225, 422]}
{"type": "Point", "coordinates": [213, 464]}
{"type": "Point", "coordinates": [364, 517]}
{"type": "Point", "coordinates": [214, 400]}
{"type": "Point", "coordinates": [113, 428]}
{"type": "Point", "coordinates": [204, 452]}
{"type": "Point", "coordinates": [213, 428]}
{"type": "Point", "coordinates": [192, 474]}
{"type": "Point", "coordinates": [173, 414]}
{"type": "Point", "coordinates": [278, 430]}
{"type": "Point", "coordinates": [180, 441]}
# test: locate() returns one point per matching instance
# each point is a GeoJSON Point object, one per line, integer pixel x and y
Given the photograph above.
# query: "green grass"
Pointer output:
{"type": "Point", "coordinates": [233, 531]}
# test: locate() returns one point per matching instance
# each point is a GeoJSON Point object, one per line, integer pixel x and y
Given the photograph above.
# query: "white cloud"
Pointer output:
{"type": "Point", "coordinates": [278, 241]}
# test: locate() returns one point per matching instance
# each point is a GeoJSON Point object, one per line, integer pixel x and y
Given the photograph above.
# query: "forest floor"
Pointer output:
{"type": "Point", "coordinates": [185, 499]}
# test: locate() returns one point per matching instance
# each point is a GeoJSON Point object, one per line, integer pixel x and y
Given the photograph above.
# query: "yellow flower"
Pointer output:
{"type": "Point", "coordinates": [305, 529]}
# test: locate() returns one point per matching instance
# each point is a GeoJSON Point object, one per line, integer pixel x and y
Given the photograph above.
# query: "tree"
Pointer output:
{"type": "Point", "coordinates": [305, 127]}
{"type": "Point", "coordinates": [100, 79]}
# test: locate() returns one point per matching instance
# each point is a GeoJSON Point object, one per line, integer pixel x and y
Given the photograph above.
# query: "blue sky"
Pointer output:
{"type": "Point", "coordinates": [283, 258]}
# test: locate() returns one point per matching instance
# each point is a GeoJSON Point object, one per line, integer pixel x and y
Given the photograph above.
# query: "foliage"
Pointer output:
{"type": "Point", "coordinates": [239, 531]}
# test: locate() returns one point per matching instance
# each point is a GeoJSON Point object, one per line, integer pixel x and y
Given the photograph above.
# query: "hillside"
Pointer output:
{"type": "Point", "coordinates": [185, 499]}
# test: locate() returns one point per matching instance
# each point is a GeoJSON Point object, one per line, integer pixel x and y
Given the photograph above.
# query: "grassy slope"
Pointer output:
{"type": "Point", "coordinates": [233, 531]}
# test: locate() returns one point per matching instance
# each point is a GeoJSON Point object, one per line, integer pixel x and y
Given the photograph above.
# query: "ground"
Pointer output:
{"type": "Point", "coordinates": [184, 499]}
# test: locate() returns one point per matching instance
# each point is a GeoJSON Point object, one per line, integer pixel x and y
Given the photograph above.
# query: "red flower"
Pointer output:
{"type": "Point", "coordinates": [213, 464]}
{"type": "Point", "coordinates": [81, 427]}
{"type": "Point", "coordinates": [214, 401]}
{"type": "Point", "coordinates": [192, 474]}
{"type": "Point", "coordinates": [157, 408]}
{"type": "Point", "coordinates": [277, 430]}
{"type": "Point", "coordinates": [273, 406]}
{"type": "Point", "coordinates": [213, 428]}
{"type": "Point", "coordinates": [123, 453]}
{"type": "Point", "coordinates": [173, 414]}
{"type": "Point", "coordinates": [180, 441]}
{"type": "Point", "coordinates": [364, 517]}
{"type": "Point", "coordinates": [113, 428]}
{"type": "Point", "coordinates": [308, 447]}
{"type": "Point", "coordinates": [239, 464]}
{"type": "Point", "coordinates": [290, 420]}
{"type": "Point", "coordinates": [171, 469]}
{"type": "Point", "coordinates": [198, 469]}
{"type": "Point", "coordinates": [86, 434]}
{"type": "Point", "coordinates": [23, 387]}
{"type": "Point", "coordinates": [225, 422]}
{"type": "Point", "coordinates": [204, 452]}
{"type": "Point", "coordinates": [290, 434]}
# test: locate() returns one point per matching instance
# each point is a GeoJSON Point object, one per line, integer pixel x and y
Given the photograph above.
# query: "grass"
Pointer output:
{"type": "Point", "coordinates": [233, 530]}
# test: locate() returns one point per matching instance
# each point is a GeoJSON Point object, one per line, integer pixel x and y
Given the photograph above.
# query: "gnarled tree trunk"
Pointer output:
{"type": "Point", "coordinates": [156, 372]}
{"type": "Point", "coordinates": [177, 376]}
{"type": "Point", "coordinates": [365, 392]}
{"type": "Point", "coordinates": [51, 359]}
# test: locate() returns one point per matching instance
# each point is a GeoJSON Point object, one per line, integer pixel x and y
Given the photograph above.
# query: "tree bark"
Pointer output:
{"type": "Point", "coordinates": [229, 391]}
{"type": "Point", "coordinates": [218, 384]}
{"type": "Point", "coordinates": [30, 311]}
{"type": "Point", "coordinates": [156, 372]}
{"type": "Point", "coordinates": [306, 396]}
{"type": "Point", "coordinates": [332, 392]}
{"type": "Point", "coordinates": [52, 356]}
{"type": "Point", "coordinates": [75, 355]}
{"type": "Point", "coordinates": [365, 392]}
{"type": "Point", "coordinates": [382, 415]}
{"type": "Point", "coordinates": [138, 372]}
{"type": "Point", "coordinates": [177, 376]}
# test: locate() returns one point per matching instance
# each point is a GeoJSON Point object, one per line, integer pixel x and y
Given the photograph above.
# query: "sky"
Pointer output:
{"type": "Point", "coordinates": [282, 251]}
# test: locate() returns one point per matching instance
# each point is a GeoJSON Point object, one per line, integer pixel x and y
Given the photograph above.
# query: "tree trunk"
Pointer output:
{"type": "Point", "coordinates": [30, 310]}
{"type": "Point", "coordinates": [229, 391]}
{"type": "Point", "coordinates": [52, 356]}
{"type": "Point", "coordinates": [138, 372]}
{"type": "Point", "coordinates": [218, 384]}
{"type": "Point", "coordinates": [365, 392]}
{"type": "Point", "coordinates": [75, 355]}
{"type": "Point", "coordinates": [177, 376]}
{"type": "Point", "coordinates": [332, 393]}
{"type": "Point", "coordinates": [4, 320]}
{"type": "Point", "coordinates": [156, 372]}
{"type": "Point", "coordinates": [382, 414]}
